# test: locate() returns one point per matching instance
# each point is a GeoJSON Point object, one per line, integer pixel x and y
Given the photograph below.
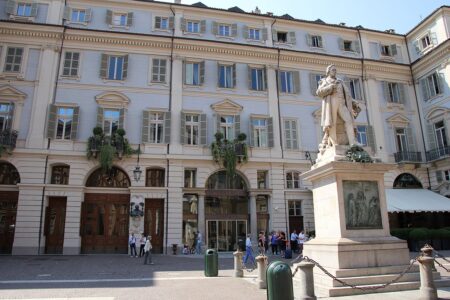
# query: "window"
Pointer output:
{"type": "Point", "coordinates": [155, 178]}
{"type": "Point", "coordinates": [78, 15]}
{"type": "Point", "coordinates": [393, 92]}
{"type": "Point", "coordinates": [226, 76]}
{"type": "Point", "coordinates": [114, 67]}
{"type": "Point", "coordinates": [192, 126]}
{"type": "Point", "coordinates": [293, 180]}
{"type": "Point", "coordinates": [193, 26]}
{"type": "Point", "coordinates": [156, 127]}
{"type": "Point", "coordinates": [259, 127]}
{"type": "Point", "coordinates": [5, 116]}
{"type": "Point", "coordinates": [315, 41]}
{"type": "Point", "coordinates": [361, 134]}
{"type": "Point", "coordinates": [314, 82]}
{"type": "Point", "coordinates": [258, 79]}
{"type": "Point", "coordinates": [388, 50]}
{"type": "Point", "coordinates": [71, 64]}
{"type": "Point", "coordinates": [290, 134]}
{"type": "Point", "coordinates": [295, 208]}
{"type": "Point", "coordinates": [193, 73]}
{"type": "Point", "coordinates": [119, 19]}
{"type": "Point", "coordinates": [355, 88]}
{"type": "Point", "coordinates": [287, 82]}
{"type": "Point", "coordinates": [401, 139]}
{"type": "Point", "coordinates": [60, 175]}
{"type": "Point", "coordinates": [447, 175]}
{"type": "Point", "coordinates": [162, 23]}
{"type": "Point", "coordinates": [425, 41]}
{"type": "Point", "coordinates": [64, 123]}
{"type": "Point", "coordinates": [227, 127]}
{"type": "Point", "coordinates": [282, 37]}
{"type": "Point", "coordinates": [111, 119]}
{"type": "Point", "coordinates": [254, 34]}
{"type": "Point", "coordinates": [262, 179]}
{"type": "Point", "coordinates": [348, 46]}
{"type": "Point", "coordinates": [159, 69]}
{"type": "Point", "coordinates": [189, 178]}
{"type": "Point", "coordinates": [13, 59]}
{"type": "Point", "coordinates": [224, 30]}
{"type": "Point", "coordinates": [432, 86]}
{"type": "Point", "coordinates": [441, 136]}
{"type": "Point", "coordinates": [24, 9]}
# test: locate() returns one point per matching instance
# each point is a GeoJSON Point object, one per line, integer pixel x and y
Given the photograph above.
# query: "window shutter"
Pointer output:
{"type": "Point", "coordinates": [202, 26]}
{"type": "Point", "coordinates": [313, 83]}
{"type": "Point", "coordinates": [215, 28]}
{"type": "Point", "coordinates": [104, 66]}
{"type": "Point", "coordinates": [320, 41]}
{"type": "Point", "coordinates": [356, 46]}
{"type": "Point", "coordinates": [11, 7]}
{"type": "Point", "coordinates": [393, 49]}
{"type": "Point", "coordinates": [308, 39]}
{"type": "Point", "coordinates": [265, 78]}
{"type": "Point", "coordinates": [358, 89]}
{"type": "Point", "coordinates": [121, 118]}
{"type": "Point", "coordinates": [278, 73]}
{"type": "Point", "coordinates": [109, 14]}
{"type": "Point", "coordinates": [341, 44]}
{"type": "Point", "coordinates": [270, 132]}
{"type": "Point", "coordinates": [401, 92]}
{"type": "Point", "coordinates": [291, 37]}
{"type": "Point", "coordinates": [171, 23]}
{"type": "Point", "coordinates": [274, 35]}
{"type": "Point", "coordinates": [34, 9]}
{"type": "Point", "coordinates": [234, 29]}
{"type": "Point", "coordinates": [145, 125]}
{"type": "Point", "coordinates": [202, 72]}
{"type": "Point", "coordinates": [245, 32]}
{"type": "Point", "coordinates": [88, 15]}
{"type": "Point", "coordinates": [184, 72]}
{"type": "Point", "coordinates": [51, 122]}
{"type": "Point", "coordinates": [218, 74]}
{"type": "Point", "coordinates": [183, 24]}
{"type": "Point", "coordinates": [125, 67]}
{"type": "Point", "coordinates": [237, 125]}
{"type": "Point", "coordinates": [439, 176]}
{"type": "Point", "coordinates": [217, 123]}
{"type": "Point", "coordinates": [183, 137]}
{"type": "Point", "coordinates": [264, 34]}
{"type": "Point", "coordinates": [203, 129]}
{"type": "Point", "coordinates": [440, 82]}
{"type": "Point", "coordinates": [294, 135]}
{"type": "Point", "coordinates": [10, 116]}
{"type": "Point", "coordinates": [67, 13]}
{"type": "Point", "coordinates": [424, 87]}
{"type": "Point", "coordinates": [416, 46]}
{"type": "Point", "coordinates": [75, 122]}
{"type": "Point", "coordinates": [130, 19]}
{"type": "Point", "coordinates": [385, 85]}
{"type": "Point", "coordinates": [100, 117]}
{"type": "Point", "coordinates": [432, 143]}
{"type": "Point", "coordinates": [234, 75]}
{"type": "Point", "coordinates": [167, 127]}
{"type": "Point", "coordinates": [158, 22]}
{"type": "Point", "coordinates": [252, 133]}
{"type": "Point", "coordinates": [371, 142]}
{"type": "Point", "coordinates": [249, 77]}
{"type": "Point", "coordinates": [410, 138]}
{"type": "Point", "coordinates": [375, 50]}
{"type": "Point", "coordinates": [296, 79]}
{"type": "Point", "coordinates": [433, 38]}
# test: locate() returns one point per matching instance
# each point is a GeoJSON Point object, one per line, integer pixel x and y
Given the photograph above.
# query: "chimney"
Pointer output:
{"type": "Point", "coordinates": [257, 10]}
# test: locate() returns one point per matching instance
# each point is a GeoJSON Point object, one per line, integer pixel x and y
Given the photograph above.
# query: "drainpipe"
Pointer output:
{"type": "Point", "coordinates": [278, 91]}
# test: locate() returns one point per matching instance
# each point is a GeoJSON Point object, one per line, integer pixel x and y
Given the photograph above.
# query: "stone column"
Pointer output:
{"type": "Point", "coordinates": [201, 216]}
{"type": "Point", "coordinates": [253, 216]}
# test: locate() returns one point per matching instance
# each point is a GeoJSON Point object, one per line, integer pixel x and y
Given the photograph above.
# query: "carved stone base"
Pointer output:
{"type": "Point", "coordinates": [333, 153]}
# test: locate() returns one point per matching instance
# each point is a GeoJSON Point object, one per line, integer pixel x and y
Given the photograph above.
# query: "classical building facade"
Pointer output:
{"type": "Point", "coordinates": [172, 76]}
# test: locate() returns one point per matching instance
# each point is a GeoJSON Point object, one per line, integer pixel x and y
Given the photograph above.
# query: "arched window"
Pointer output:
{"type": "Point", "coordinates": [8, 174]}
{"type": "Point", "coordinates": [220, 181]}
{"type": "Point", "coordinates": [407, 181]}
{"type": "Point", "coordinates": [60, 174]}
{"type": "Point", "coordinates": [155, 177]}
{"type": "Point", "coordinates": [115, 178]}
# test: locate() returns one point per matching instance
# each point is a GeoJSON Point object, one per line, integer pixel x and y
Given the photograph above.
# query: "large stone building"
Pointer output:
{"type": "Point", "coordinates": [173, 75]}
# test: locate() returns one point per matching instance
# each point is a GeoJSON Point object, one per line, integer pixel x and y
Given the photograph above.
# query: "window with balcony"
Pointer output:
{"type": "Point", "coordinates": [111, 119]}
{"type": "Point", "coordinates": [6, 114]}
{"type": "Point", "coordinates": [227, 127]}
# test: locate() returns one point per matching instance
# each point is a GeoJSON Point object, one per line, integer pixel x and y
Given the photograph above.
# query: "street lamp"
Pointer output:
{"type": "Point", "coordinates": [137, 170]}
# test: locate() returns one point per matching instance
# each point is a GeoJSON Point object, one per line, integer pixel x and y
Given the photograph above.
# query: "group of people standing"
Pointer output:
{"type": "Point", "coordinates": [144, 250]}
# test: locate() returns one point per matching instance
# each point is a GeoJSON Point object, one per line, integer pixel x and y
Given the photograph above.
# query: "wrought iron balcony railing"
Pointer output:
{"type": "Point", "coordinates": [8, 138]}
{"type": "Point", "coordinates": [407, 156]}
{"type": "Point", "coordinates": [437, 153]}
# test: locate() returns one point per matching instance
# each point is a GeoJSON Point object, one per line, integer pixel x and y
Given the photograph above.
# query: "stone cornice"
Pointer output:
{"type": "Point", "coordinates": [34, 31]}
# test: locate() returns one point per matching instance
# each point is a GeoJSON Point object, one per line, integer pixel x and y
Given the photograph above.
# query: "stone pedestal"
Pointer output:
{"type": "Point", "coordinates": [352, 241]}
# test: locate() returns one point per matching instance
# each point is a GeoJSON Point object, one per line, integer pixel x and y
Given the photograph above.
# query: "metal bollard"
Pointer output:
{"type": "Point", "coordinates": [306, 278]}
{"type": "Point", "coordinates": [427, 288]}
{"type": "Point", "coordinates": [279, 281]}
{"type": "Point", "coordinates": [238, 272]}
{"type": "Point", "coordinates": [261, 261]}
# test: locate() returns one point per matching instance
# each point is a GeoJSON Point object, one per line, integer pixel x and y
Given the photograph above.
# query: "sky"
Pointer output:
{"type": "Point", "coordinates": [401, 15]}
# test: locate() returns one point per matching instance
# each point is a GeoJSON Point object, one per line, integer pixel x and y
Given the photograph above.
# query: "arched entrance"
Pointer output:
{"type": "Point", "coordinates": [105, 216]}
{"type": "Point", "coordinates": [226, 211]}
{"type": "Point", "coordinates": [9, 176]}
{"type": "Point", "coordinates": [407, 181]}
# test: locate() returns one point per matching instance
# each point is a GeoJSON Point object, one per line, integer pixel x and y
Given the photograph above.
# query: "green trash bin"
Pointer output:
{"type": "Point", "coordinates": [279, 281]}
{"type": "Point", "coordinates": [211, 263]}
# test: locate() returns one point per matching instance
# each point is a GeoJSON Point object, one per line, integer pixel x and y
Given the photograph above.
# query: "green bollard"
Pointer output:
{"type": "Point", "coordinates": [279, 281]}
{"type": "Point", "coordinates": [211, 263]}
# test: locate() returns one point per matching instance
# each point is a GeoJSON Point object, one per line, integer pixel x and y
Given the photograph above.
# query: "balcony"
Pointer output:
{"type": "Point", "coordinates": [437, 153]}
{"type": "Point", "coordinates": [8, 139]}
{"type": "Point", "coordinates": [407, 156]}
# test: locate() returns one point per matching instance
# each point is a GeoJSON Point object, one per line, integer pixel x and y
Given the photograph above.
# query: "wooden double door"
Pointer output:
{"type": "Point", "coordinates": [105, 223]}
{"type": "Point", "coordinates": [8, 212]}
{"type": "Point", "coordinates": [55, 220]}
{"type": "Point", "coordinates": [154, 223]}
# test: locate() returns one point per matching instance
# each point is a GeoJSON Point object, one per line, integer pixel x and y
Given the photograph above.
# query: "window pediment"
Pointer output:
{"type": "Point", "coordinates": [436, 113]}
{"type": "Point", "coordinates": [398, 120]}
{"type": "Point", "coordinates": [227, 107]}
{"type": "Point", "coordinates": [8, 93]}
{"type": "Point", "coordinates": [113, 100]}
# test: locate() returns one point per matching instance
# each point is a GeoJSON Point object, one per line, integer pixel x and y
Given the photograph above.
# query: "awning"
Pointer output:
{"type": "Point", "coordinates": [416, 200]}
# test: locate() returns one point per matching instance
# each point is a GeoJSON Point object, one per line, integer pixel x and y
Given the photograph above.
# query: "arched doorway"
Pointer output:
{"type": "Point", "coordinates": [407, 181]}
{"type": "Point", "coordinates": [9, 176]}
{"type": "Point", "coordinates": [105, 216]}
{"type": "Point", "coordinates": [226, 211]}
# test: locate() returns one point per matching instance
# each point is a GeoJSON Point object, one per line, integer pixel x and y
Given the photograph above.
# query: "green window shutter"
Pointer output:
{"type": "Point", "coordinates": [108, 19]}
{"type": "Point", "coordinates": [410, 138]}
{"type": "Point", "coordinates": [371, 138]}
{"type": "Point", "coordinates": [433, 38]}
{"type": "Point", "coordinates": [291, 37]}
{"type": "Point", "coordinates": [171, 23]}
{"type": "Point", "coordinates": [51, 122]}
{"type": "Point", "coordinates": [416, 46]}
{"type": "Point", "coordinates": [313, 83]}
{"type": "Point", "coordinates": [252, 133]}
{"type": "Point", "coordinates": [100, 117]}
{"type": "Point", "coordinates": [145, 126]}
{"type": "Point", "coordinates": [202, 26]}
{"type": "Point", "coordinates": [130, 19]}
{"type": "Point", "coordinates": [309, 40]}
{"type": "Point", "coordinates": [385, 85]}
{"type": "Point", "coordinates": [264, 34]}
{"type": "Point", "coordinates": [265, 78]}
{"type": "Point", "coordinates": [183, 24]}
{"type": "Point", "coordinates": [234, 75]}
{"type": "Point", "coordinates": [203, 129]}
{"type": "Point", "coordinates": [274, 35]}
{"type": "Point", "coordinates": [234, 29]}
{"type": "Point", "coordinates": [215, 28]}
{"type": "Point", "coordinates": [432, 143]}
{"type": "Point", "coordinates": [125, 67]}
{"type": "Point", "coordinates": [393, 49]}
{"type": "Point", "coordinates": [88, 15]}
{"type": "Point", "coordinates": [341, 44]}
{"type": "Point", "coordinates": [11, 7]}
{"type": "Point", "coordinates": [424, 88]}
{"type": "Point", "coordinates": [122, 118]}
{"type": "Point", "coordinates": [270, 132]}
{"type": "Point", "coordinates": [202, 73]}
{"type": "Point", "coordinates": [296, 79]}
{"type": "Point", "coordinates": [356, 46]}
{"type": "Point", "coordinates": [167, 127]}
{"type": "Point", "coordinates": [75, 122]}
{"type": "Point", "coordinates": [34, 9]}
{"type": "Point", "coordinates": [237, 125]}
{"type": "Point", "coordinates": [158, 22]}
{"type": "Point", "coordinates": [401, 92]}
{"type": "Point", "coordinates": [104, 66]}
{"type": "Point", "coordinates": [67, 13]}
{"type": "Point", "coordinates": [217, 123]}
{"type": "Point", "coordinates": [245, 32]}
{"type": "Point", "coordinates": [249, 77]}
{"type": "Point", "coordinates": [439, 176]}
{"type": "Point", "coordinates": [183, 137]}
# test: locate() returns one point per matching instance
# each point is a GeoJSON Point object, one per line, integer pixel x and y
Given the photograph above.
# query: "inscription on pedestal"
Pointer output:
{"type": "Point", "coordinates": [362, 204]}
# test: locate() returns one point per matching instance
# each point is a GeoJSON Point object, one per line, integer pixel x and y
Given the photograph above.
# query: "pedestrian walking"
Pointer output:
{"type": "Point", "coordinates": [148, 251]}
{"type": "Point", "coordinates": [132, 243]}
{"type": "Point", "coordinates": [274, 243]}
{"type": "Point", "coordinates": [199, 243]}
{"type": "Point", "coordinates": [249, 250]}
{"type": "Point", "coordinates": [294, 238]}
{"type": "Point", "coordinates": [142, 243]}
{"type": "Point", "coordinates": [301, 240]}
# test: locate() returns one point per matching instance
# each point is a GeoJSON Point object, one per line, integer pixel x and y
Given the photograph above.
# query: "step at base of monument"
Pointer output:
{"type": "Point", "coordinates": [324, 291]}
